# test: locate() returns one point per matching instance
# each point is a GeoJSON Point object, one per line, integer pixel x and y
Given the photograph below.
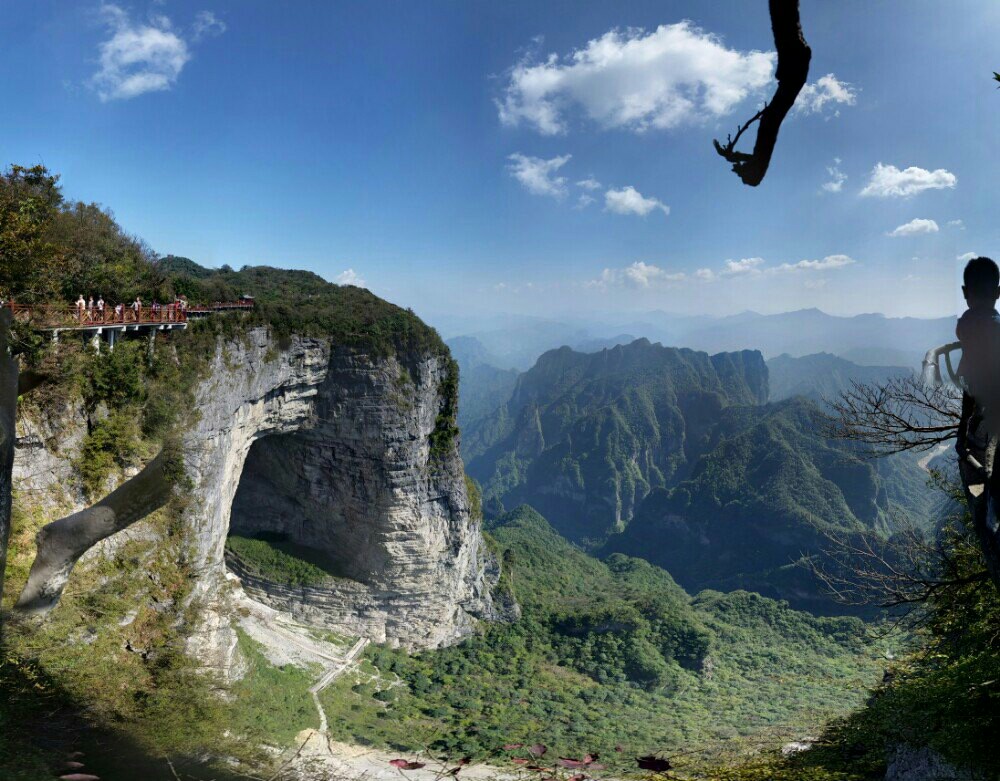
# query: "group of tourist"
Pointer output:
{"type": "Point", "coordinates": [91, 311]}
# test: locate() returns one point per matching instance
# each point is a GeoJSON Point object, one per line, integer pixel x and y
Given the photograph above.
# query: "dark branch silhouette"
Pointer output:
{"type": "Point", "coordinates": [898, 415]}
{"type": "Point", "coordinates": [8, 417]}
{"type": "Point", "coordinates": [794, 55]}
{"type": "Point", "coordinates": [904, 571]}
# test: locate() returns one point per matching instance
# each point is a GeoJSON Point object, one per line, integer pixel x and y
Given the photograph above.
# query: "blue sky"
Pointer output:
{"type": "Point", "coordinates": [433, 150]}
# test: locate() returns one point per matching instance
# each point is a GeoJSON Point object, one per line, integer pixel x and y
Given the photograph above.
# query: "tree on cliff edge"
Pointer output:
{"type": "Point", "coordinates": [43, 244]}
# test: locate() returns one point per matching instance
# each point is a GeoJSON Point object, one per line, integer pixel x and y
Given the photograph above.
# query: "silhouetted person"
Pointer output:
{"type": "Point", "coordinates": [979, 332]}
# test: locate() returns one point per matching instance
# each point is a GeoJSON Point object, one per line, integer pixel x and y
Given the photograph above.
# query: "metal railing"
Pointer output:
{"type": "Point", "coordinates": [52, 317]}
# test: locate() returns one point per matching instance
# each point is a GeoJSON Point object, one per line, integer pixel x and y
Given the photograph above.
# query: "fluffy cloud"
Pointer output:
{"type": "Point", "coordinates": [674, 75]}
{"type": "Point", "coordinates": [350, 277]}
{"type": "Point", "coordinates": [628, 200]}
{"type": "Point", "coordinates": [743, 266]}
{"type": "Point", "coordinates": [827, 263]}
{"type": "Point", "coordinates": [965, 257]}
{"type": "Point", "coordinates": [207, 25]}
{"type": "Point", "coordinates": [590, 183]}
{"type": "Point", "coordinates": [837, 178]}
{"type": "Point", "coordinates": [914, 227]}
{"type": "Point", "coordinates": [705, 274]}
{"type": "Point", "coordinates": [827, 90]}
{"type": "Point", "coordinates": [888, 181]}
{"type": "Point", "coordinates": [539, 176]}
{"type": "Point", "coordinates": [639, 276]}
{"type": "Point", "coordinates": [144, 57]}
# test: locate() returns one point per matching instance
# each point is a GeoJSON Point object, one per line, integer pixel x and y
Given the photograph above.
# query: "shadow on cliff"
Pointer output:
{"type": "Point", "coordinates": [44, 730]}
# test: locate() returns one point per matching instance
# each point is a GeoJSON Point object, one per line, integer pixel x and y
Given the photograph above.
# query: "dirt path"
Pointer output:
{"type": "Point", "coordinates": [330, 676]}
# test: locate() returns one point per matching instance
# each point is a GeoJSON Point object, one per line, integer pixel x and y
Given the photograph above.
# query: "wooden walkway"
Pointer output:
{"type": "Point", "coordinates": [47, 318]}
{"type": "Point", "coordinates": [63, 318]}
{"type": "Point", "coordinates": [96, 324]}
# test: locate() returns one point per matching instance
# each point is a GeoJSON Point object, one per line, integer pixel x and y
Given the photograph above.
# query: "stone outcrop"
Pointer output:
{"type": "Point", "coordinates": [331, 448]}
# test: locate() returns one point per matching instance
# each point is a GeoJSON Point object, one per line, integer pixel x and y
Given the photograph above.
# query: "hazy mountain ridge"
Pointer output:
{"type": "Point", "coordinates": [866, 339]}
{"type": "Point", "coordinates": [822, 377]}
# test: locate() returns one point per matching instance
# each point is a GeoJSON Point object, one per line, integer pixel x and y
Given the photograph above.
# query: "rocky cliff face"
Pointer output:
{"type": "Point", "coordinates": [331, 448]}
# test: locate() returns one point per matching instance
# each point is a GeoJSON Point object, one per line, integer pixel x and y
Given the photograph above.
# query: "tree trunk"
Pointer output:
{"type": "Point", "coordinates": [8, 419]}
{"type": "Point", "coordinates": [61, 543]}
{"type": "Point", "coordinates": [794, 55]}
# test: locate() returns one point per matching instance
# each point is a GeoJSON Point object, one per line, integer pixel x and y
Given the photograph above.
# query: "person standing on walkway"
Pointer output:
{"type": "Point", "coordinates": [81, 307]}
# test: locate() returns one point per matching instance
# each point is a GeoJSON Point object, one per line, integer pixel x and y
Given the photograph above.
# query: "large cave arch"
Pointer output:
{"type": "Point", "coordinates": [292, 491]}
{"type": "Point", "coordinates": [329, 449]}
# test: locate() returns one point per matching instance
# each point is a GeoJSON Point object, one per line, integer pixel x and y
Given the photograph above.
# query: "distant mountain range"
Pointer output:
{"type": "Point", "coordinates": [870, 339]}
{"type": "Point", "coordinates": [678, 457]}
{"type": "Point", "coordinates": [822, 377]}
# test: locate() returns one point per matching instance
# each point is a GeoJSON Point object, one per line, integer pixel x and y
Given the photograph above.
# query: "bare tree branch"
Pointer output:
{"type": "Point", "coordinates": [895, 416]}
{"type": "Point", "coordinates": [794, 55]}
{"type": "Point", "coordinates": [903, 571]}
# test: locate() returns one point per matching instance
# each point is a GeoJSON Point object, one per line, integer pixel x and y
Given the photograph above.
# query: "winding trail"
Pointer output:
{"type": "Point", "coordinates": [330, 676]}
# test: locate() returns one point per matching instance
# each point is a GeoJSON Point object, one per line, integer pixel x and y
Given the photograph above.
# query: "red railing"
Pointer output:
{"type": "Point", "coordinates": [73, 317]}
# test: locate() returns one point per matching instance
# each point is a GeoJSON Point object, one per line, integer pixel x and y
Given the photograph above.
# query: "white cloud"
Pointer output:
{"type": "Point", "coordinates": [590, 183]}
{"type": "Point", "coordinates": [743, 266]}
{"type": "Point", "coordinates": [914, 227]}
{"type": "Point", "coordinates": [677, 74]}
{"type": "Point", "coordinates": [538, 175]}
{"type": "Point", "coordinates": [827, 90]}
{"type": "Point", "coordinates": [350, 277]}
{"type": "Point", "coordinates": [965, 257]}
{"type": "Point", "coordinates": [639, 275]}
{"type": "Point", "coordinates": [829, 262]}
{"type": "Point", "coordinates": [889, 181]}
{"type": "Point", "coordinates": [705, 274]}
{"type": "Point", "coordinates": [207, 25]}
{"type": "Point", "coordinates": [956, 224]}
{"type": "Point", "coordinates": [144, 57]}
{"type": "Point", "coordinates": [584, 201]}
{"type": "Point", "coordinates": [628, 200]}
{"type": "Point", "coordinates": [837, 178]}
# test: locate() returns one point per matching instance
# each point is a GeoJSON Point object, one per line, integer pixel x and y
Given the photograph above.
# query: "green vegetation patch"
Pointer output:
{"type": "Point", "coordinates": [279, 560]}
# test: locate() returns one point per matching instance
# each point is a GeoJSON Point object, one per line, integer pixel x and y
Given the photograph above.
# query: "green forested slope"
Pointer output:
{"type": "Point", "coordinates": [608, 654]}
{"type": "Point", "coordinates": [585, 437]}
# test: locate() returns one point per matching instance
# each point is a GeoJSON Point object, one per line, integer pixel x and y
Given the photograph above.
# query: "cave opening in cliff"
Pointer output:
{"type": "Point", "coordinates": [288, 524]}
